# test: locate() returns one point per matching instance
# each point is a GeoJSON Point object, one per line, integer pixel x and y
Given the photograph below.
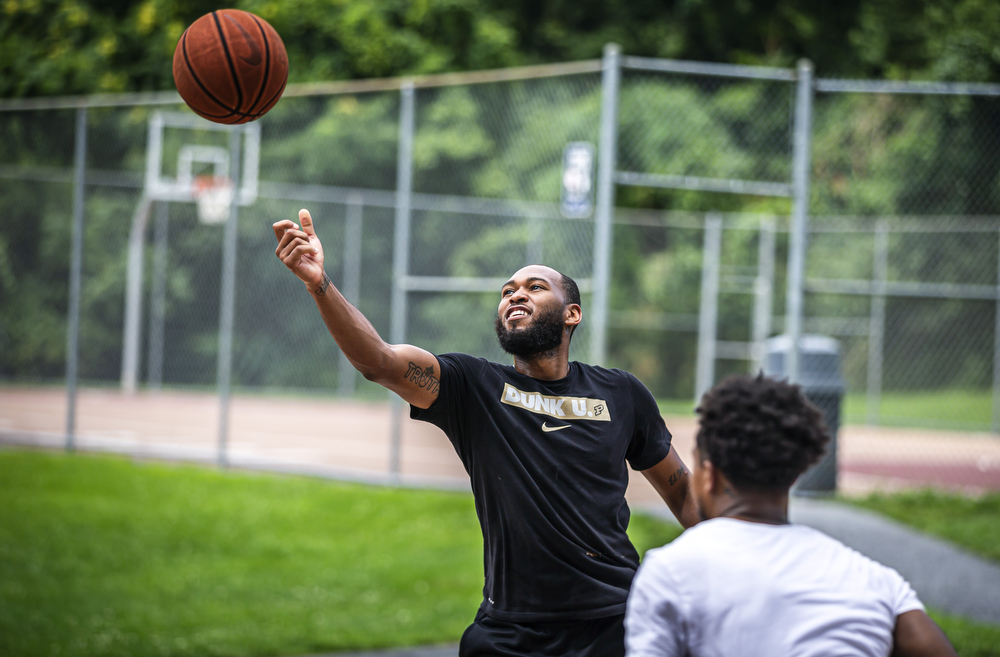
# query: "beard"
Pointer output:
{"type": "Point", "coordinates": [543, 336]}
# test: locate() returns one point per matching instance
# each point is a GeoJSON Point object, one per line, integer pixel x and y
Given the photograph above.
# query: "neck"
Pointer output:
{"type": "Point", "coordinates": [547, 366]}
{"type": "Point", "coordinates": [767, 508]}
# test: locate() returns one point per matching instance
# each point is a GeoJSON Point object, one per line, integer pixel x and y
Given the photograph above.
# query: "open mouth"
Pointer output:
{"type": "Point", "coordinates": [517, 312]}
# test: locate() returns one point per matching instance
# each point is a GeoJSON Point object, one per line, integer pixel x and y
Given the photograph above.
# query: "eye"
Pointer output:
{"type": "Point", "coordinates": [506, 292]}
{"type": "Point", "coordinates": [536, 286]}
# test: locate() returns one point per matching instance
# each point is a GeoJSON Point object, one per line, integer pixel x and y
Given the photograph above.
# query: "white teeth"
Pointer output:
{"type": "Point", "coordinates": [517, 313]}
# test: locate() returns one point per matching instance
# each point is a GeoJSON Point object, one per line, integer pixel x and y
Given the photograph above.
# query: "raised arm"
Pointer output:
{"type": "Point", "coordinates": [410, 372]}
{"type": "Point", "coordinates": [671, 479]}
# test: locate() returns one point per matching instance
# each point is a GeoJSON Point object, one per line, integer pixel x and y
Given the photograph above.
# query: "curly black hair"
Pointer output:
{"type": "Point", "coordinates": [761, 433]}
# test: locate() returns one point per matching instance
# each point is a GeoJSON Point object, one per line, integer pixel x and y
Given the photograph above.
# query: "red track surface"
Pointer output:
{"type": "Point", "coordinates": [339, 437]}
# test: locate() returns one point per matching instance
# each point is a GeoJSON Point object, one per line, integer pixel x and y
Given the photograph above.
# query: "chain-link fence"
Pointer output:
{"type": "Point", "coordinates": [904, 250]}
{"type": "Point", "coordinates": [691, 249]}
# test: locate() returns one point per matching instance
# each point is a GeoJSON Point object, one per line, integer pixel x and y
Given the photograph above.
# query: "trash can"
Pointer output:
{"type": "Point", "coordinates": [822, 384]}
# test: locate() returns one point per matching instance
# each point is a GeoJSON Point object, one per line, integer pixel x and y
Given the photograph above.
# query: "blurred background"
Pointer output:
{"type": "Point", "coordinates": [714, 174]}
{"type": "Point", "coordinates": [818, 172]}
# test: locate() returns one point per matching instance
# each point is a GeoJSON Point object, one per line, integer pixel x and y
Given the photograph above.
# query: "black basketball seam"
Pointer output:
{"type": "Point", "coordinates": [274, 98]}
{"type": "Point", "coordinates": [267, 63]}
{"type": "Point", "coordinates": [187, 62]}
{"type": "Point", "coordinates": [257, 115]}
{"type": "Point", "coordinates": [229, 60]}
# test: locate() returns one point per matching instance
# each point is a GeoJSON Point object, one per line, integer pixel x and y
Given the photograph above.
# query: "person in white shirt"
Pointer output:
{"type": "Point", "coordinates": [744, 582]}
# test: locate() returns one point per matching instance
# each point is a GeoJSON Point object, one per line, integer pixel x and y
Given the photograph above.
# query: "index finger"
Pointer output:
{"type": "Point", "coordinates": [281, 226]}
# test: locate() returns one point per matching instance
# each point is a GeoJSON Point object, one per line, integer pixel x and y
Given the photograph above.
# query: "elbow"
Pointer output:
{"type": "Point", "coordinates": [376, 366]}
{"type": "Point", "coordinates": [376, 372]}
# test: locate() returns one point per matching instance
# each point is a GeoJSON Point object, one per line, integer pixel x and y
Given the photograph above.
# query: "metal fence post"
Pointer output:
{"type": "Point", "coordinates": [351, 288]}
{"type": "Point", "coordinates": [606, 165]}
{"type": "Point", "coordinates": [708, 315]}
{"type": "Point", "coordinates": [401, 254]}
{"type": "Point", "coordinates": [996, 354]}
{"type": "Point", "coordinates": [763, 286]}
{"type": "Point", "coordinates": [876, 325]}
{"type": "Point", "coordinates": [798, 239]}
{"type": "Point", "coordinates": [75, 273]}
{"type": "Point", "coordinates": [228, 295]}
{"type": "Point", "coordinates": [131, 331]}
{"type": "Point", "coordinates": [158, 304]}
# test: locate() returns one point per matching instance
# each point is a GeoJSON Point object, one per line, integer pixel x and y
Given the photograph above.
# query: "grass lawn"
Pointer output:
{"type": "Point", "coordinates": [969, 410]}
{"type": "Point", "coordinates": [969, 639]}
{"type": "Point", "coordinates": [955, 409]}
{"type": "Point", "coordinates": [103, 556]}
{"type": "Point", "coordinates": [681, 407]}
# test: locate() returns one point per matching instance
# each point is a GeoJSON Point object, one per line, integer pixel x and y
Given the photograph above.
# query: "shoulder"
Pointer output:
{"type": "Point", "coordinates": [837, 553]}
{"type": "Point", "coordinates": [466, 362]}
{"type": "Point", "coordinates": [609, 376]}
{"type": "Point", "coordinates": [664, 571]}
{"type": "Point", "coordinates": [687, 548]}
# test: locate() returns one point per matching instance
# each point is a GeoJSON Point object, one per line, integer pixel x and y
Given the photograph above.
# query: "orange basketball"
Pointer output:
{"type": "Point", "coordinates": [230, 66]}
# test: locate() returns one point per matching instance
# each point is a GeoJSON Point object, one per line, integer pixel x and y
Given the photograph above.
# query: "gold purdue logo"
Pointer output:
{"type": "Point", "coordinates": [564, 408]}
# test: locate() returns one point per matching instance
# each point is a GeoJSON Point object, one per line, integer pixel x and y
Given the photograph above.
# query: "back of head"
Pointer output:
{"type": "Point", "coordinates": [759, 432]}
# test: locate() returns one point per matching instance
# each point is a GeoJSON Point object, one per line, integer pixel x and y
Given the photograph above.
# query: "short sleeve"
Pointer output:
{"type": "Point", "coordinates": [445, 413]}
{"type": "Point", "coordinates": [905, 598]}
{"type": "Point", "coordinates": [650, 441]}
{"type": "Point", "coordinates": [654, 615]}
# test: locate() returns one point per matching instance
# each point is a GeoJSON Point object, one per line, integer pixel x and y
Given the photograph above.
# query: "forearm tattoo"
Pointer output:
{"type": "Point", "coordinates": [675, 477]}
{"type": "Point", "coordinates": [324, 286]}
{"type": "Point", "coordinates": [424, 378]}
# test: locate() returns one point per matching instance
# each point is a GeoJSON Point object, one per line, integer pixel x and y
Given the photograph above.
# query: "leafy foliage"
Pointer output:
{"type": "Point", "coordinates": [872, 156]}
{"type": "Point", "coordinates": [54, 47]}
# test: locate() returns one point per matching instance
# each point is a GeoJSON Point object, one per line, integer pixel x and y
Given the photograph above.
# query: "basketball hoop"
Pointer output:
{"type": "Point", "coordinates": [214, 195]}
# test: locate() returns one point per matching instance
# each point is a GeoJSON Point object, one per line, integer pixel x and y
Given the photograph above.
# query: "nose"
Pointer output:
{"type": "Point", "coordinates": [518, 296]}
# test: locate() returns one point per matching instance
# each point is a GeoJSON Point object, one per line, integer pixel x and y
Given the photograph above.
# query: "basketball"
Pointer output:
{"type": "Point", "coordinates": [230, 66]}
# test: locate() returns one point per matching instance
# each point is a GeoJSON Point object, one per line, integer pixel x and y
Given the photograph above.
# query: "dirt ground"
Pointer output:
{"type": "Point", "coordinates": [351, 440]}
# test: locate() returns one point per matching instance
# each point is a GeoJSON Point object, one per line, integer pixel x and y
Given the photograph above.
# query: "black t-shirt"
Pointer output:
{"type": "Point", "coordinates": [547, 463]}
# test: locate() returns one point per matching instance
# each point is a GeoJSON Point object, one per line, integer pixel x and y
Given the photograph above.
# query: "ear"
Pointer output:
{"type": "Point", "coordinates": [715, 481]}
{"type": "Point", "coordinates": [572, 315]}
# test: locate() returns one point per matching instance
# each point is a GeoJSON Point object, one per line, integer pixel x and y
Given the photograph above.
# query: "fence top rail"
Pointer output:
{"type": "Point", "coordinates": [314, 88]}
{"type": "Point", "coordinates": [705, 68]}
{"type": "Point", "coordinates": [830, 85]}
{"type": "Point", "coordinates": [827, 85]}
{"type": "Point", "coordinates": [905, 224]}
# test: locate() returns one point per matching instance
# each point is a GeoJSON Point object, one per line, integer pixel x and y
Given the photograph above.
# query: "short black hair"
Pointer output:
{"type": "Point", "coordinates": [572, 293]}
{"type": "Point", "coordinates": [761, 433]}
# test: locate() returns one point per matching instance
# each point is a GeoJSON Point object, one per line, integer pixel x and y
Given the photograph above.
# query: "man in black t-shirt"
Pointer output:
{"type": "Point", "coordinates": [545, 442]}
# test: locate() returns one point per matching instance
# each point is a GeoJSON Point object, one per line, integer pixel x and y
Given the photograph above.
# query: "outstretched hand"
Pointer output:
{"type": "Point", "coordinates": [300, 249]}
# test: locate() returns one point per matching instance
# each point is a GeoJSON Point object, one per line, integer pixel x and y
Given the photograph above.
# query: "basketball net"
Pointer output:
{"type": "Point", "coordinates": [214, 195]}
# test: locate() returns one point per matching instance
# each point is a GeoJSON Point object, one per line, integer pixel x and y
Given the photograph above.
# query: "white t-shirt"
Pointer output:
{"type": "Point", "coordinates": [734, 588]}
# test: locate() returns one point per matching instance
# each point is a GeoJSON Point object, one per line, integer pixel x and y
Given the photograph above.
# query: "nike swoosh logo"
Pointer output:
{"type": "Point", "coordinates": [548, 429]}
{"type": "Point", "coordinates": [255, 58]}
